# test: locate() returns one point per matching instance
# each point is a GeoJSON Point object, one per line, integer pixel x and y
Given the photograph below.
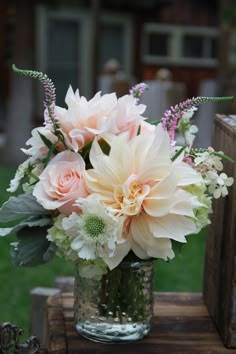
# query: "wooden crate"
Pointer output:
{"type": "Point", "coordinates": [220, 260]}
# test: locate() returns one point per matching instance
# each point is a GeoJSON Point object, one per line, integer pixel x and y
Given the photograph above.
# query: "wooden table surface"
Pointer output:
{"type": "Point", "coordinates": [181, 326]}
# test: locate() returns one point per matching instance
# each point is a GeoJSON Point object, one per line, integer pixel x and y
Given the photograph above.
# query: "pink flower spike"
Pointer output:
{"type": "Point", "coordinates": [137, 90]}
{"type": "Point", "coordinates": [172, 116]}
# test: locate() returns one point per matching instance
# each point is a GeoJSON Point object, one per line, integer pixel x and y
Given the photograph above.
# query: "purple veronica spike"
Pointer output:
{"type": "Point", "coordinates": [49, 90]}
{"type": "Point", "coordinates": [137, 90]}
{"type": "Point", "coordinates": [173, 115]}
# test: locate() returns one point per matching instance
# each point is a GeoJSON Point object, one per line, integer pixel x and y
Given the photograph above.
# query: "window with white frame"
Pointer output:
{"type": "Point", "coordinates": [64, 46]}
{"type": "Point", "coordinates": [116, 40]}
{"type": "Point", "coordinates": [62, 51]}
{"type": "Point", "coordinates": [179, 45]}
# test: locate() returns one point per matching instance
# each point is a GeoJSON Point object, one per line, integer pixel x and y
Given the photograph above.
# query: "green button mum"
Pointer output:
{"type": "Point", "coordinates": [94, 226]}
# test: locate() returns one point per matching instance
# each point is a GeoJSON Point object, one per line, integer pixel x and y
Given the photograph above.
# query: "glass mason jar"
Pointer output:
{"type": "Point", "coordinates": [117, 307]}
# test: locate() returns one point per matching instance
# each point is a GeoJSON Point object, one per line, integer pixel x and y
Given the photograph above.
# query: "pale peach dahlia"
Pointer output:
{"type": "Point", "coordinates": [84, 119]}
{"type": "Point", "coordinates": [139, 180]}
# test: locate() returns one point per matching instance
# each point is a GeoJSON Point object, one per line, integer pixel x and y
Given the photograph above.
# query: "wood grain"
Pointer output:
{"type": "Point", "coordinates": [56, 326]}
{"type": "Point", "coordinates": [181, 326]}
{"type": "Point", "coordinates": [220, 260]}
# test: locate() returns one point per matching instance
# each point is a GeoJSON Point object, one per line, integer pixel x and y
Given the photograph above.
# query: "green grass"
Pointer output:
{"type": "Point", "coordinates": [15, 282]}
{"type": "Point", "coordinates": [184, 273]}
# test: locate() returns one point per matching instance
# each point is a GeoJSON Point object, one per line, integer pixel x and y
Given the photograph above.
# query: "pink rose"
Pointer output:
{"type": "Point", "coordinates": [62, 183]}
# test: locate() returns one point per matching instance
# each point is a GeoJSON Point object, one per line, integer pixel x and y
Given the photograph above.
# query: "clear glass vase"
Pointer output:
{"type": "Point", "coordinates": [117, 307]}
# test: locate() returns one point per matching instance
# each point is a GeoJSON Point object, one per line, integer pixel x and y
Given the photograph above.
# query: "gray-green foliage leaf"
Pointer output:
{"type": "Point", "coordinates": [20, 207]}
{"type": "Point", "coordinates": [30, 222]}
{"type": "Point", "coordinates": [32, 248]}
{"type": "Point", "coordinates": [49, 254]}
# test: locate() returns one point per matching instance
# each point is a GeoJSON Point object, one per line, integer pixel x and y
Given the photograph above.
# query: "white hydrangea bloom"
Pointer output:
{"type": "Point", "coordinates": [206, 160]}
{"type": "Point", "coordinates": [92, 269]}
{"type": "Point", "coordinates": [202, 212]}
{"type": "Point", "coordinates": [209, 165]}
{"type": "Point", "coordinates": [33, 178]}
{"type": "Point", "coordinates": [58, 235]}
{"type": "Point", "coordinates": [19, 175]}
{"type": "Point", "coordinates": [187, 129]}
{"type": "Point", "coordinates": [218, 184]}
{"type": "Point", "coordinates": [190, 134]}
{"type": "Point", "coordinates": [38, 148]}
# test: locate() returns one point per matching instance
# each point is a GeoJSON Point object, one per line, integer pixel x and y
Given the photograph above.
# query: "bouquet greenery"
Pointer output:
{"type": "Point", "coordinates": [101, 182]}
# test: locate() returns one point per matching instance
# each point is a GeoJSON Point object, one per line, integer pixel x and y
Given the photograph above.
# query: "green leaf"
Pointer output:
{"type": "Point", "coordinates": [139, 130]}
{"type": "Point", "coordinates": [31, 248]}
{"type": "Point", "coordinates": [5, 231]}
{"type": "Point", "coordinates": [155, 122]}
{"type": "Point", "coordinates": [216, 153]}
{"type": "Point", "coordinates": [47, 142]}
{"type": "Point", "coordinates": [86, 149]}
{"type": "Point", "coordinates": [48, 157]}
{"type": "Point", "coordinates": [104, 146]}
{"type": "Point", "coordinates": [223, 156]}
{"type": "Point", "coordinates": [31, 222]}
{"type": "Point", "coordinates": [20, 207]}
{"type": "Point", "coordinates": [178, 153]}
{"type": "Point", "coordinates": [50, 253]}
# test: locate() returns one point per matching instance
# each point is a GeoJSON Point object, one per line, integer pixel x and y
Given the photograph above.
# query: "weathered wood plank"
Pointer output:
{"type": "Point", "coordinates": [56, 326]}
{"type": "Point", "coordinates": [220, 270]}
{"type": "Point", "coordinates": [174, 330]}
{"type": "Point", "coordinates": [65, 284]}
{"type": "Point", "coordinates": [38, 312]}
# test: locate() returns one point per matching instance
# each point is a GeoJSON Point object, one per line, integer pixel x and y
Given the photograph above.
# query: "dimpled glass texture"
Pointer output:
{"type": "Point", "coordinates": [118, 307]}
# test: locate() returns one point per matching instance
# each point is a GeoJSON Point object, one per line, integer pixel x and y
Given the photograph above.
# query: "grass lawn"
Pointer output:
{"type": "Point", "coordinates": [184, 273]}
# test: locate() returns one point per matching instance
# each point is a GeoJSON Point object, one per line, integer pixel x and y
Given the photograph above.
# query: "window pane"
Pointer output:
{"type": "Point", "coordinates": [112, 43]}
{"type": "Point", "coordinates": [63, 76]}
{"type": "Point", "coordinates": [214, 48]}
{"type": "Point", "coordinates": [158, 44]}
{"type": "Point", "coordinates": [62, 56]}
{"type": "Point", "coordinates": [62, 41]}
{"type": "Point", "coordinates": [193, 46]}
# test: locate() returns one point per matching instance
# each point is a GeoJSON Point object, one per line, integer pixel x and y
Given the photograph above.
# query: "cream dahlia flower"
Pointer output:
{"type": "Point", "coordinates": [141, 183]}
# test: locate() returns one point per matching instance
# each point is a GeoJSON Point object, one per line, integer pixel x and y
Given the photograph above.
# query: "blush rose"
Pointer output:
{"type": "Point", "coordinates": [62, 183]}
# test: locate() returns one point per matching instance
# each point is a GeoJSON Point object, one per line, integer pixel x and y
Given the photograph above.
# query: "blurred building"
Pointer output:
{"type": "Point", "coordinates": [142, 35]}
{"type": "Point", "coordinates": [71, 40]}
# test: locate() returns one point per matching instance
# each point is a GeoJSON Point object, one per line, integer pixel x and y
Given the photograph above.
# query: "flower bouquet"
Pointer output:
{"type": "Point", "coordinates": [110, 191]}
